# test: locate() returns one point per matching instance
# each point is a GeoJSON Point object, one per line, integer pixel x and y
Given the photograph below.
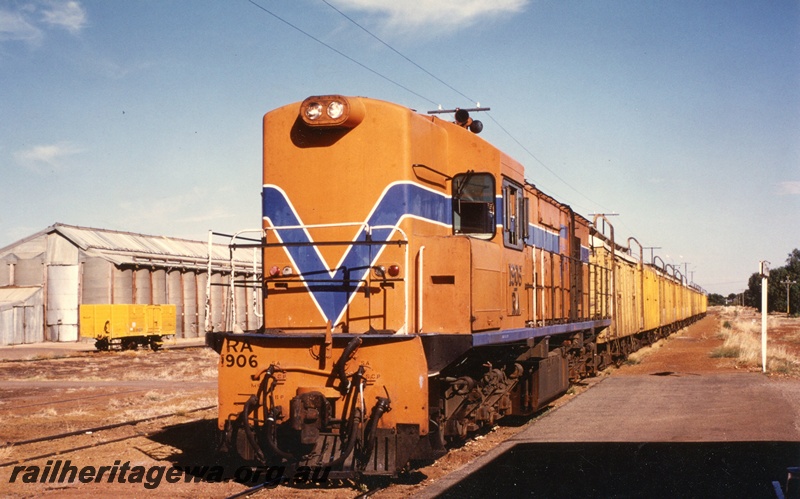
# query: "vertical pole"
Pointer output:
{"type": "Point", "coordinates": [208, 282]}
{"type": "Point", "coordinates": [764, 323]}
{"type": "Point", "coordinates": [764, 270]}
{"type": "Point", "coordinates": [788, 284]}
{"type": "Point", "coordinates": [232, 282]}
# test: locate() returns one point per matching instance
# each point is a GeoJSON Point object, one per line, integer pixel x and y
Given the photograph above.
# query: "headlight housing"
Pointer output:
{"type": "Point", "coordinates": [334, 111]}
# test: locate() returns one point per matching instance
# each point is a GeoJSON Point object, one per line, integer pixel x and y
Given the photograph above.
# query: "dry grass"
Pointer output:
{"type": "Point", "coordinates": [638, 356]}
{"type": "Point", "coordinates": [742, 334]}
{"type": "Point", "coordinates": [76, 413]}
{"type": "Point", "coordinates": [149, 367]}
{"type": "Point", "coordinates": [48, 412]}
{"type": "Point", "coordinates": [180, 408]}
{"type": "Point", "coordinates": [155, 403]}
{"type": "Point", "coordinates": [155, 396]}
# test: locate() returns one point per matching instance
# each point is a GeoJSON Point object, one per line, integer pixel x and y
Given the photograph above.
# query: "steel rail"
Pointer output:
{"type": "Point", "coordinates": [84, 431]}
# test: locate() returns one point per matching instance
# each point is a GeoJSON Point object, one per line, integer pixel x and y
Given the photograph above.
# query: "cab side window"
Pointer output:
{"type": "Point", "coordinates": [515, 215]}
{"type": "Point", "coordinates": [473, 204]}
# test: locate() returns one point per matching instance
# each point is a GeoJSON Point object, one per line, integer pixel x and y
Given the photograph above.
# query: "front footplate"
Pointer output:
{"type": "Point", "coordinates": [356, 404]}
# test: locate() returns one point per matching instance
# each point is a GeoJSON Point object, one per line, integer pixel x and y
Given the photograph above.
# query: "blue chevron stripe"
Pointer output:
{"type": "Point", "coordinates": [331, 288]}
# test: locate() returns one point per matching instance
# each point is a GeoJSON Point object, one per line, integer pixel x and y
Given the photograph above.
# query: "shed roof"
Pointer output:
{"type": "Point", "coordinates": [127, 248]}
{"type": "Point", "coordinates": [15, 295]}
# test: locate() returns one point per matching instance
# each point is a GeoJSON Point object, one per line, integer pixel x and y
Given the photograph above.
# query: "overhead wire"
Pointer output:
{"type": "Point", "coordinates": [329, 47]}
{"type": "Point", "coordinates": [418, 66]}
{"type": "Point", "coordinates": [470, 99]}
{"type": "Point", "coordinates": [556, 175]}
{"type": "Point", "coordinates": [365, 30]}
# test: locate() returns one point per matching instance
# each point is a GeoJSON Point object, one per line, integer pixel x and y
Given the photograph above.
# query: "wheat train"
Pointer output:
{"type": "Point", "coordinates": [417, 288]}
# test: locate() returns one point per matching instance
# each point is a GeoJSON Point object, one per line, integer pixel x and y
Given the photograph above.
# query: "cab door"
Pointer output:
{"type": "Point", "coordinates": [518, 269]}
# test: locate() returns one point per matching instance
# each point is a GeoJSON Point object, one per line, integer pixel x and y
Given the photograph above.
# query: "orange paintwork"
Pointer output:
{"type": "Point", "coordinates": [303, 369]}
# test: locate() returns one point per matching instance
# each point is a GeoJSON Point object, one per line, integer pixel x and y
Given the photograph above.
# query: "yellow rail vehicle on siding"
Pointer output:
{"type": "Point", "coordinates": [417, 287]}
{"type": "Point", "coordinates": [124, 326]}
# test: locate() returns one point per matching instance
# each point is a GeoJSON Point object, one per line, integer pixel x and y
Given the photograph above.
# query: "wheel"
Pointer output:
{"type": "Point", "coordinates": [101, 344]}
{"type": "Point", "coordinates": [155, 343]}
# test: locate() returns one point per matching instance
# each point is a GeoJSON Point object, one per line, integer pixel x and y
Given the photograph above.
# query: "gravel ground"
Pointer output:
{"type": "Point", "coordinates": [71, 390]}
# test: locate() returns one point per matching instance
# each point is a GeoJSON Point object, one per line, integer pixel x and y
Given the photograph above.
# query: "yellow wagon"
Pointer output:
{"type": "Point", "coordinates": [126, 326]}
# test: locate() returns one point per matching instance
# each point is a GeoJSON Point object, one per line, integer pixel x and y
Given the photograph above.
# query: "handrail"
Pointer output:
{"type": "Point", "coordinates": [231, 249]}
{"type": "Point", "coordinates": [613, 270]}
{"type": "Point", "coordinates": [420, 284]}
{"type": "Point", "coordinates": [641, 280]}
{"type": "Point", "coordinates": [366, 228]}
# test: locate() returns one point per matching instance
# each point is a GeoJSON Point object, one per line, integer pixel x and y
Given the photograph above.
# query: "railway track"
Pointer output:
{"type": "Point", "coordinates": [93, 354]}
{"type": "Point", "coordinates": [71, 400]}
{"type": "Point", "coordinates": [89, 432]}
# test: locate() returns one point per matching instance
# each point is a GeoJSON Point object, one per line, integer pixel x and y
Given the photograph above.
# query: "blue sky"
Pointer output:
{"type": "Point", "coordinates": [681, 116]}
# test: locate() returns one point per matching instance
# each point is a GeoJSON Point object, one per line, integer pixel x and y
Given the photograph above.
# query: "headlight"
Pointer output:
{"type": "Point", "coordinates": [313, 111]}
{"type": "Point", "coordinates": [334, 111]}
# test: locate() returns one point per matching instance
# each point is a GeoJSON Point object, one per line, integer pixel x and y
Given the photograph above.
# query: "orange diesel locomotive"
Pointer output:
{"type": "Point", "coordinates": [416, 288]}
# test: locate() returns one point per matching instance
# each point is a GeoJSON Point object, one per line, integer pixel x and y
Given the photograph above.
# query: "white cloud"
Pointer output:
{"type": "Point", "coordinates": [789, 187]}
{"type": "Point", "coordinates": [15, 26]}
{"type": "Point", "coordinates": [68, 15]}
{"type": "Point", "coordinates": [30, 21]}
{"type": "Point", "coordinates": [443, 15]}
{"type": "Point", "coordinates": [51, 154]}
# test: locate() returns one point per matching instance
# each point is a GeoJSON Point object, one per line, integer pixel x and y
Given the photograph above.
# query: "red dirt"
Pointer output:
{"type": "Point", "coordinates": [121, 386]}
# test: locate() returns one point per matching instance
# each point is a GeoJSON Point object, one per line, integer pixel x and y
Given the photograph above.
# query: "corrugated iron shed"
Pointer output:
{"type": "Point", "coordinates": [128, 248]}
{"type": "Point", "coordinates": [45, 277]}
{"type": "Point", "coordinates": [20, 321]}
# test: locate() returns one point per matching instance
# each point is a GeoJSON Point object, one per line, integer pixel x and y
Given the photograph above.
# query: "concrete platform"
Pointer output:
{"type": "Point", "coordinates": [716, 435]}
{"type": "Point", "coordinates": [677, 408]}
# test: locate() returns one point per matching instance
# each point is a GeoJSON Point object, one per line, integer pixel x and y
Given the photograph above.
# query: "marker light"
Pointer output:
{"type": "Point", "coordinates": [381, 271]}
{"type": "Point", "coordinates": [332, 111]}
{"type": "Point", "coordinates": [274, 270]}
